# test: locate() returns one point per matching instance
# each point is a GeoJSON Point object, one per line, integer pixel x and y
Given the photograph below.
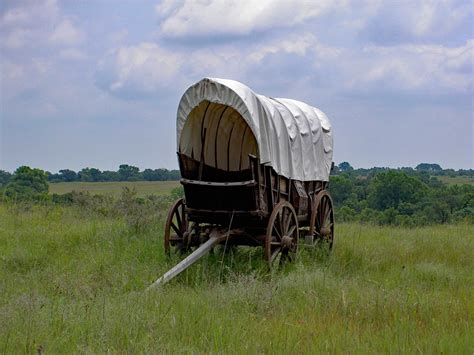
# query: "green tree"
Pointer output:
{"type": "Point", "coordinates": [5, 177]}
{"type": "Point", "coordinates": [28, 184]}
{"type": "Point", "coordinates": [390, 189]}
{"type": "Point", "coordinates": [129, 172]}
{"type": "Point", "coordinates": [149, 175]}
{"type": "Point", "coordinates": [341, 188]}
{"type": "Point", "coordinates": [89, 175]}
{"type": "Point", "coordinates": [68, 175]}
{"type": "Point", "coordinates": [173, 175]}
{"type": "Point", "coordinates": [155, 175]}
{"type": "Point", "coordinates": [108, 175]}
{"type": "Point", "coordinates": [345, 167]}
{"type": "Point", "coordinates": [428, 167]}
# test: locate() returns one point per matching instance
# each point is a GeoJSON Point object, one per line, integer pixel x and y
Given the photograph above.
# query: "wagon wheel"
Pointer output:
{"type": "Point", "coordinates": [322, 219]}
{"type": "Point", "coordinates": [176, 228]}
{"type": "Point", "coordinates": [282, 234]}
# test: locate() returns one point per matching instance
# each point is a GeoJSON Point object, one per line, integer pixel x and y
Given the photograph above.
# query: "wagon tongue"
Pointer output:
{"type": "Point", "coordinates": [215, 238]}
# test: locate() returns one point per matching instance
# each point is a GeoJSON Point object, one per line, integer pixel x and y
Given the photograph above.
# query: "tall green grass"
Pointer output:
{"type": "Point", "coordinates": [74, 282]}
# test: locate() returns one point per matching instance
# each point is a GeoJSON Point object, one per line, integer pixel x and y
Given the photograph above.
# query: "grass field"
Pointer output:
{"type": "Point", "coordinates": [460, 180]}
{"type": "Point", "coordinates": [143, 188]}
{"type": "Point", "coordinates": [72, 282]}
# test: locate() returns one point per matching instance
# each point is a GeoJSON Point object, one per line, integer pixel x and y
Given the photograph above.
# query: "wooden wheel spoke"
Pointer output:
{"type": "Point", "coordinates": [320, 212]}
{"type": "Point", "coordinates": [280, 222]}
{"type": "Point", "coordinates": [277, 232]}
{"type": "Point", "coordinates": [289, 257]}
{"type": "Point", "coordinates": [178, 219]}
{"type": "Point", "coordinates": [176, 229]}
{"type": "Point", "coordinates": [287, 221]}
{"type": "Point", "coordinates": [291, 231]}
{"type": "Point", "coordinates": [327, 214]}
{"type": "Point", "coordinates": [324, 223]}
{"type": "Point", "coordinates": [328, 219]}
{"type": "Point", "coordinates": [275, 254]}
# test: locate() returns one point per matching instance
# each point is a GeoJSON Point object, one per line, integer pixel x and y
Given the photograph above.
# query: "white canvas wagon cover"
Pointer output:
{"type": "Point", "coordinates": [295, 139]}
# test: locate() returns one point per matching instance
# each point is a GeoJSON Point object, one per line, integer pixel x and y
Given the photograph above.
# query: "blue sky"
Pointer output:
{"type": "Point", "coordinates": [97, 83]}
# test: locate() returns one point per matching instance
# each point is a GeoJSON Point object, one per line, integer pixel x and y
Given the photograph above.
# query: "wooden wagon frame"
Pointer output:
{"type": "Point", "coordinates": [252, 203]}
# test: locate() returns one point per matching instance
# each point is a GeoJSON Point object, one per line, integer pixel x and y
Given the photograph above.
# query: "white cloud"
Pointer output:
{"type": "Point", "coordinates": [164, 7]}
{"type": "Point", "coordinates": [423, 68]}
{"type": "Point", "coordinates": [36, 34]}
{"type": "Point", "coordinates": [66, 33]}
{"type": "Point", "coordinates": [72, 54]}
{"type": "Point", "coordinates": [144, 68]}
{"type": "Point", "coordinates": [234, 17]}
{"type": "Point", "coordinates": [30, 13]}
{"type": "Point", "coordinates": [18, 38]}
{"type": "Point", "coordinates": [407, 21]}
{"type": "Point", "coordinates": [381, 21]}
{"type": "Point", "coordinates": [37, 24]}
{"type": "Point", "coordinates": [41, 65]}
{"type": "Point", "coordinates": [298, 45]}
{"type": "Point", "coordinates": [12, 71]}
{"type": "Point", "coordinates": [428, 69]}
{"type": "Point", "coordinates": [148, 67]}
{"type": "Point", "coordinates": [118, 37]}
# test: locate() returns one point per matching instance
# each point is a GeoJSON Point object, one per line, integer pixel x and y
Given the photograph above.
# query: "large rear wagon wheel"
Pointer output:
{"type": "Point", "coordinates": [321, 227]}
{"type": "Point", "coordinates": [176, 227]}
{"type": "Point", "coordinates": [281, 239]}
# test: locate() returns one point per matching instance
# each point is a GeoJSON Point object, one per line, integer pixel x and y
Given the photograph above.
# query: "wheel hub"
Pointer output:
{"type": "Point", "coordinates": [325, 231]}
{"type": "Point", "coordinates": [286, 242]}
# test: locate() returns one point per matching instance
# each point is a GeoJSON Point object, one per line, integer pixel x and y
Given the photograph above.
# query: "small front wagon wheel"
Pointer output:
{"type": "Point", "coordinates": [176, 228]}
{"type": "Point", "coordinates": [281, 239]}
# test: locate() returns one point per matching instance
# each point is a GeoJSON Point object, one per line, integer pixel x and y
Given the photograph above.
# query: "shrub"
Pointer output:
{"type": "Point", "coordinates": [27, 184]}
{"type": "Point", "coordinates": [177, 192]}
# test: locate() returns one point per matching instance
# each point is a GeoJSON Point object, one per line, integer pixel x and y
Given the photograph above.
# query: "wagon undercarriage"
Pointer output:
{"type": "Point", "coordinates": [280, 238]}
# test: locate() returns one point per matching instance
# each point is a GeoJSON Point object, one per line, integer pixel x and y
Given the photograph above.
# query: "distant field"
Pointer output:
{"type": "Point", "coordinates": [457, 180]}
{"type": "Point", "coordinates": [143, 188]}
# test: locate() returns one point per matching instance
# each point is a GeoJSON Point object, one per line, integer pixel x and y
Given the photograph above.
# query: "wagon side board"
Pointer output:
{"type": "Point", "coordinates": [248, 196]}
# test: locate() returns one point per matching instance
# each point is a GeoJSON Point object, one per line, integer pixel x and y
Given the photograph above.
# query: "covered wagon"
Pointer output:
{"type": "Point", "coordinates": [255, 171]}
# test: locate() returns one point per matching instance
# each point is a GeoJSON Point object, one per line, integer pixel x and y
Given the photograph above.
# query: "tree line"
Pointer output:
{"type": "Point", "coordinates": [125, 172]}
{"type": "Point", "coordinates": [403, 196]}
